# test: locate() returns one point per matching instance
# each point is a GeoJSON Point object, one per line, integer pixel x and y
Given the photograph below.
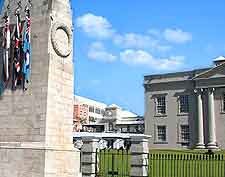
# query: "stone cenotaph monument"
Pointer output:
{"type": "Point", "coordinates": [36, 124]}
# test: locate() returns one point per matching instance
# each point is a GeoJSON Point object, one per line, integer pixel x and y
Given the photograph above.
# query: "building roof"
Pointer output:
{"type": "Point", "coordinates": [114, 106]}
{"type": "Point", "coordinates": [220, 58]}
{"type": "Point", "coordinates": [83, 100]}
{"type": "Point", "coordinates": [126, 113]}
{"type": "Point", "coordinates": [212, 70]}
{"type": "Point", "coordinates": [187, 75]}
{"type": "Point", "coordinates": [167, 75]}
{"type": "Point", "coordinates": [123, 113]}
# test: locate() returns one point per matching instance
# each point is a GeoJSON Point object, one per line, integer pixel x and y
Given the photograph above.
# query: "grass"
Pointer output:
{"type": "Point", "coordinates": [186, 163]}
{"type": "Point", "coordinates": [185, 151]}
{"type": "Point", "coordinates": [164, 163]}
{"type": "Point", "coordinates": [113, 163]}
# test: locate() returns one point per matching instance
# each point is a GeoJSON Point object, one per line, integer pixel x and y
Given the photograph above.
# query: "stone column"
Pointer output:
{"type": "Point", "coordinates": [139, 156]}
{"type": "Point", "coordinates": [88, 156]}
{"type": "Point", "coordinates": [200, 130]}
{"type": "Point", "coordinates": [211, 120]}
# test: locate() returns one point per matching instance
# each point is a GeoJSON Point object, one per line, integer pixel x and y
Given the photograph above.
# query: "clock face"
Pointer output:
{"type": "Point", "coordinates": [109, 113]}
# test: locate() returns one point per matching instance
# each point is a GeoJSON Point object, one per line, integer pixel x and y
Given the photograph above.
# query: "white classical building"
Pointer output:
{"type": "Point", "coordinates": [186, 109]}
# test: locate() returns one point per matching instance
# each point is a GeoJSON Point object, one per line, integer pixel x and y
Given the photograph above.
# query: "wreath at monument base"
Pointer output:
{"type": "Point", "coordinates": [59, 51]}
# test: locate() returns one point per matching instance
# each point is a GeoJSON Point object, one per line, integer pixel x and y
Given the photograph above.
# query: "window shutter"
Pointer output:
{"type": "Point", "coordinates": [155, 134]}
{"type": "Point", "coordinates": [178, 133]}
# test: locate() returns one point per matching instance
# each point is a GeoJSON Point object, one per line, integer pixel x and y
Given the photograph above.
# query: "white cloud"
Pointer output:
{"type": "Point", "coordinates": [99, 27]}
{"type": "Point", "coordinates": [136, 57]}
{"type": "Point", "coordinates": [171, 63]}
{"type": "Point", "coordinates": [130, 40]}
{"type": "Point", "coordinates": [95, 26]}
{"type": "Point", "coordinates": [134, 44]}
{"type": "Point", "coordinates": [140, 57]}
{"type": "Point", "coordinates": [177, 36]}
{"type": "Point", "coordinates": [98, 52]}
{"type": "Point", "coordinates": [154, 32]}
{"type": "Point", "coordinates": [138, 41]}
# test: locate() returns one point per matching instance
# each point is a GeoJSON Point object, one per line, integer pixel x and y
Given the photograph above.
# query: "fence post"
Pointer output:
{"type": "Point", "coordinates": [88, 156]}
{"type": "Point", "coordinates": [139, 156]}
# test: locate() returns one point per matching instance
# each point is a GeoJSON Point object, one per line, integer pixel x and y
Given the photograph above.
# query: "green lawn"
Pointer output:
{"type": "Point", "coordinates": [185, 151]}
{"type": "Point", "coordinates": [164, 163]}
{"type": "Point", "coordinates": [186, 163]}
{"type": "Point", "coordinates": [113, 163]}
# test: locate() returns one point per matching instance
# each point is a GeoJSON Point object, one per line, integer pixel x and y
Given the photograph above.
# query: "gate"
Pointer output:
{"type": "Point", "coordinates": [186, 165]}
{"type": "Point", "coordinates": [112, 163]}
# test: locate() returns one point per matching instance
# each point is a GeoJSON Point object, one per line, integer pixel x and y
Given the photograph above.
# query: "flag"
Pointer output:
{"type": "Point", "coordinates": [27, 50]}
{"type": "Point", "coordinates": [5, 61]}
{"type": "Point", "coordinates": [17, 63]}
{"type": "Point", "coordinates": [6, 48]}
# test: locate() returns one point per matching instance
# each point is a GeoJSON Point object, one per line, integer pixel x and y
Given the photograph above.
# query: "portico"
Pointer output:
{"type": "Point", "coordinates": [209, 117]}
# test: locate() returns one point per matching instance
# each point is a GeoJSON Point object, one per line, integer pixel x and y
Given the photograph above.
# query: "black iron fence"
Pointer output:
{"type": "Point", "coordinates": [113, 163]}
{"type": "Point", "coordinates": [186, 165]}
{"type": "Point", "coordinates": [116, 163]}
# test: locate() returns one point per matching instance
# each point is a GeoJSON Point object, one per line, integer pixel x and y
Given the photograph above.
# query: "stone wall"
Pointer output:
{"type": "Point", "coordinates": [21, 162]}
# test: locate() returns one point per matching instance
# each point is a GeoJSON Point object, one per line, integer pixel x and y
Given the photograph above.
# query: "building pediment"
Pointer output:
{"type": "Point", "coordinates": [215, 72]}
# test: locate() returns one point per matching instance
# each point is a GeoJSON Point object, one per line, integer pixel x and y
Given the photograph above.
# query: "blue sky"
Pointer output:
{"type": "Point", "coordinates": [1, 4]}
{"type": "Point", "coordinates": [118, 42]}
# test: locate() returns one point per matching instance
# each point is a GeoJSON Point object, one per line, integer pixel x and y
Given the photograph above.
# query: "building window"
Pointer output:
{"type": "Point", "coordinates": [183, 104]}
{"type": "Point", "coordinates": [92, 119]}
{"type": "Point", "coordinates": [161, 105]}
{"type": "Point", "coordinates": [161, 133]}
{"type": "Point", "coordinates": [110, 127]}
{"type": "Point", "coordinates": [97, 111]}
{"type": "Point", "coordinates": [185, 134]}
{"type": "Point", "coordinates": [91, 108]}
{"type": "Point", "coordinates": [124, 129]}
{"type": "Point", "coordinates": [85, 105]}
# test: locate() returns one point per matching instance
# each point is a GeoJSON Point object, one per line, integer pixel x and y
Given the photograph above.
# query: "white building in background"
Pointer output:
{"type": "Point", "coordinates": [87, 111]}
{"type": "Point", "coordinates": [94, 116]}
{"type": "Point", "coordinates": [95, 108]}
{"type": "Point", "coordinates": [116, 119]}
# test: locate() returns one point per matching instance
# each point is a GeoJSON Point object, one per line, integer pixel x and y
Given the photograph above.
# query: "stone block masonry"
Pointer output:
{"type": "Point", "coordinates": [36, 125]}
{"type": "Point", "coordinates": [139, 156]}
{"type": "Point", "coordinates": [139, 151]}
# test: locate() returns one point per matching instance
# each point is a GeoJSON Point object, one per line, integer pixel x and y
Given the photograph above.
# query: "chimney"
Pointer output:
{"type": "Point", "coordinates": [219, 60]}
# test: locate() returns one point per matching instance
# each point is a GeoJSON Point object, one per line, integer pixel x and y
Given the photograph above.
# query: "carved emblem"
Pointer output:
{"type": "Point", "coordinates": [61, 51]}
